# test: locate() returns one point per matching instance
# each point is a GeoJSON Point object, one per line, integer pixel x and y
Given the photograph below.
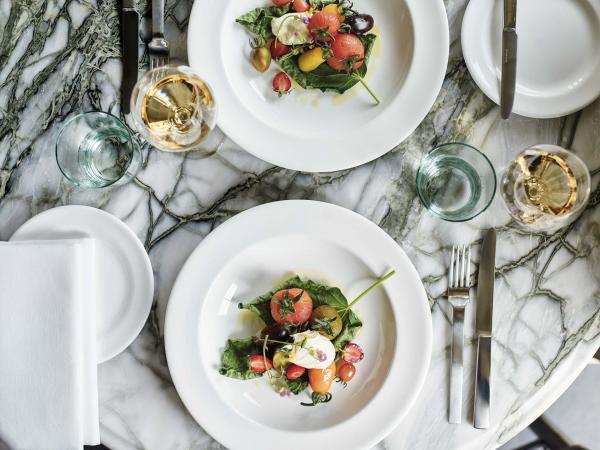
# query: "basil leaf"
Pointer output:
{"type": "Point", "coordinates": [258, 21]}
{"type": "Point", "coordinates": [351, 325]}
{"type": "Point", "coordinates": [324, 77]}
{"type": "Point", "coordinates": [234, 361]}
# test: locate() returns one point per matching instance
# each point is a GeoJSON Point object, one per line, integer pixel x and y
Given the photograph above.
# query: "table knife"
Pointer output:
{"type": "Point", "coordinates": [129, 40]}
{"type": "Point", "coordinates": [509, 58]}
{"type": "Point", "coordinates": [485, 300]}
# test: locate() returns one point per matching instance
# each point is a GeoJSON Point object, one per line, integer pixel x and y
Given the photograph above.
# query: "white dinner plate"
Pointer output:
{"type": "Point", "coordinates": [558, 63]}
{"type": "Point", "coordinates": [124, 280]}
{"type": "Point", "coordinates": [259, 248]}
{"type": "Point", "coordinates": [309, 130]}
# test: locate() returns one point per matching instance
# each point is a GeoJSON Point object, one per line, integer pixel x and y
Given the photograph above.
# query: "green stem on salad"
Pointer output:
{"type": "Point", "coordinates": [264, 353]}
{"type": "Point", "coordinates": [318, 398]}
{"type": "Point", "coordinates": [369, 289]}
{"type": "Point", "coordinates": [366, 86]}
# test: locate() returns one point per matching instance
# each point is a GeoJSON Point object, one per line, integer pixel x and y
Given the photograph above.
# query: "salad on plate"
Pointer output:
{"type": "Point", "coordinates": [319, 44]}
{"type": "Point", "coordinates": [307, 340]}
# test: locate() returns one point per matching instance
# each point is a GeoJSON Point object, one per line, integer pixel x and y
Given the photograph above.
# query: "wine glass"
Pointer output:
{"type": "Point", "coordinates": [546, 187]}
{"type": "Point", "coordinates": [173, 108]}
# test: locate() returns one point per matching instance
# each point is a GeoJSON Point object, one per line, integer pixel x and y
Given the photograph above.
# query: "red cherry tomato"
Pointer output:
{"type": "Point", "coordinates": [322, 24]}
{"type": "Point", "coordinates": [301, 5]}
{"type": "Point", "coordinates": [352, 353]}
{"type": "Point", "coordinates": [344, 47]}
{"type": "Point", "coordinates": [345, 371]}
{"type": "Point", "coordinates": [289, 305]}
{"type": "Point", "coordinates": [281, 2]}
{"type": "Point", "coordinates": [259, 364]}
{"type": "Point", "coordinates": [282, 85]}
{"type": "Point", "coordinates": [278, 49]}
{"type": "Point", "coordinates": [294, 372]}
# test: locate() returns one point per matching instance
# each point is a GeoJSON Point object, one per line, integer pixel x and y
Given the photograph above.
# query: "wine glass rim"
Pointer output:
{"type": "Point", "coordinates": [476, 212]}
{"type": "Point", "coordinates": [588, 176]}
{"type": "Point", "coordinates": [148, 82]}
{"type": "Point", "coordinates": [64, 127]}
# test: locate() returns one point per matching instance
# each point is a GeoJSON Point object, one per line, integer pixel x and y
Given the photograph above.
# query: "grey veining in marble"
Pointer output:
{"type": "Point", "coordinates": [58, 57]}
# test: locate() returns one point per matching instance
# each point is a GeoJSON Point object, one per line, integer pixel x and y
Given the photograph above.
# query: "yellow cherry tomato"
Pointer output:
{"type": "Point", "coordinates": [311, 59]}
{"type": "Point", "coordinates": [333, 9]}
{"type": "Point", "coordinates": [320, 379]}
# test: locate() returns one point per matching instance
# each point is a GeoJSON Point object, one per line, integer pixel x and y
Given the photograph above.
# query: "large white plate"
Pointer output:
{"type": "Point", "coordinates": [124, 280]}
{"type": "Point", "coordinates": [558, 64]}
{"type": "Point", "coordinates": [258, 248]}
{"type": "Point", "coordinates": [308, 130]}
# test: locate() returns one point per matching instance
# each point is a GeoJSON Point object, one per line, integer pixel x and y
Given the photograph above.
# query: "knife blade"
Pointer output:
{"type": "Point", "coordinates": [129, 40]}
{"type": "Point", "coordinates": [508, 80]}
{"type": "Point", "coordinates": [485, 301]}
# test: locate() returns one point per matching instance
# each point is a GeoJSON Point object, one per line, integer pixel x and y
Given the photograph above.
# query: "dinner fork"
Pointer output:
{"type": "Point", "coordinates": [459, 281]}
{"type": "Point", "coordinates": [158, 47]}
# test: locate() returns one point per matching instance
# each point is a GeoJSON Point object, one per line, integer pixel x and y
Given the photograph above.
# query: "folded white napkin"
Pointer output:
{"type": "Point", "coordinates": [48, 371]}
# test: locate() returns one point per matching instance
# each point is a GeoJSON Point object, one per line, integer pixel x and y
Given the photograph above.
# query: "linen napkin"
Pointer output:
{"type": "Point", "coordinates": [48, 369]}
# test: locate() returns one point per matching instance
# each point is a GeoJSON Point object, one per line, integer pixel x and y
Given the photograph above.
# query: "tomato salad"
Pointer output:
{"type": "Point", "coordinates": [307, 340]}
{"type": "Point", "coordinates": [320, 44]}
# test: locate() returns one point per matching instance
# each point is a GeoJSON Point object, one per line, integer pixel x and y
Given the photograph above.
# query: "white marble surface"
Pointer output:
{"type": "Point", "coordinates": [58, 57]}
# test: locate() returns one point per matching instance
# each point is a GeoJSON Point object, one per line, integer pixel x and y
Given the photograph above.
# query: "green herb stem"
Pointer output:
{"type": "Point", "coordinates": [264, 352]}
{"type": "Point", "coordinates": [370, 288]}
{"type": "Point", "coordinates": [366, 86]}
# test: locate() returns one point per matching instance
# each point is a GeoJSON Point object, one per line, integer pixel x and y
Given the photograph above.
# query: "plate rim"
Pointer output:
{"type": "Point", "coordinates": [171, 341]}
{"type": "Point", "coordinates": [142, 257]}
{"type": "Point", "coordinates": [431, 15]}
{"type": "Point", "coordinates": [483, 83]}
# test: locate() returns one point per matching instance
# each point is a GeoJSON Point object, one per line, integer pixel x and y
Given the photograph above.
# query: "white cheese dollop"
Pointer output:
{"type": "Point", "coordinates": [316, 351]}
{"type": "Point", "coordinates": [290, 28]}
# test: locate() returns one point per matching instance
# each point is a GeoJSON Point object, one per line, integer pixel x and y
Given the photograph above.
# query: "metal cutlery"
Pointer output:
{"type": "Point", "coordinates": [129, 40]}
{"type": "Point", "coordinates": [485, 299]}
{"type": "Point", "coordinates": [158, 47]}
{"type": "Point", "coordinates": [459, 283]}
{"type": "Point", "coordinates": [509, 58]}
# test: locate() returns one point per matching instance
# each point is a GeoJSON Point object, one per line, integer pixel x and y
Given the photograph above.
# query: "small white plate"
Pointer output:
{"type": "Point", "coordinates": [558, 62]}
{"type": "Point", "coordinates": [309, 130]}
{"type": "Point", "coordinates": [258, 248]}
{"type": "Point", "coordinates": [124, 280]}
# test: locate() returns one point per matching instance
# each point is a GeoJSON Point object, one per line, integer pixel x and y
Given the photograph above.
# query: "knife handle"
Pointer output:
{"type": "Point", "coordinates": [129, 40]}
{"type": "Point", "coordinates": [456, 368]}
{"type": "Point", "coordinates": [481, 409]}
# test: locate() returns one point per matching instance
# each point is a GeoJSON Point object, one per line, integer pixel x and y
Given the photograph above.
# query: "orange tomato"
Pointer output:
{"type": "Point", "coordinates": [320, 379]}
{"type": "Point", "coordinates": [335, 10]}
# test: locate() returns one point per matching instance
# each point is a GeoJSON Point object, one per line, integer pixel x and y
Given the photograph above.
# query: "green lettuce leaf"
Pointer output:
{"type": "Point", "coordinates": [234, 361]}
{"type": "Point", "coordinates": [258, 21]}
{"type": "Point", "coordinates": [321, 295]}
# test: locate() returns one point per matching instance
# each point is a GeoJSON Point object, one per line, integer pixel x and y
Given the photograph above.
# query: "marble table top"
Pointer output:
{"type": "Point", "coordinates": [59, 57]}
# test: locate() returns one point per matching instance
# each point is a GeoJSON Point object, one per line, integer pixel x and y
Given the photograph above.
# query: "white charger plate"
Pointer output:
{"type": "Point", "coordinates": [255, 250]}
{"type": "Point", "coordinates": [558, 63]}
{"type": "Point", "coordinates": [309, 130]}
{"type": "Point", "coordinates": [124, 279]}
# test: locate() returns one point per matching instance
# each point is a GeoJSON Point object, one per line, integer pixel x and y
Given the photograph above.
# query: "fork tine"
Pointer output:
{"type": "Point", "coordinates": [457, 267]}
{"type": "Point", "coordinates": [468, 280]}
{"type": "Point", "coordinates": [451, 269]}
{"type": "Point", "coordinates": [461, 261]}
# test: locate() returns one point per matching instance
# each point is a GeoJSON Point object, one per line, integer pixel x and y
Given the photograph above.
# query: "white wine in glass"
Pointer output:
{"type": "Point", "coordinates": [545, 187]}
{"type": "Point", "coordinates": [173, 108]}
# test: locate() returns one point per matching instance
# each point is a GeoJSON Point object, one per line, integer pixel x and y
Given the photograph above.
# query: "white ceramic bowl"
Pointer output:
{"type": "Point", "coordinates": [309, 130]}
{"type": "Point", "coordinates": [255, 250]}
